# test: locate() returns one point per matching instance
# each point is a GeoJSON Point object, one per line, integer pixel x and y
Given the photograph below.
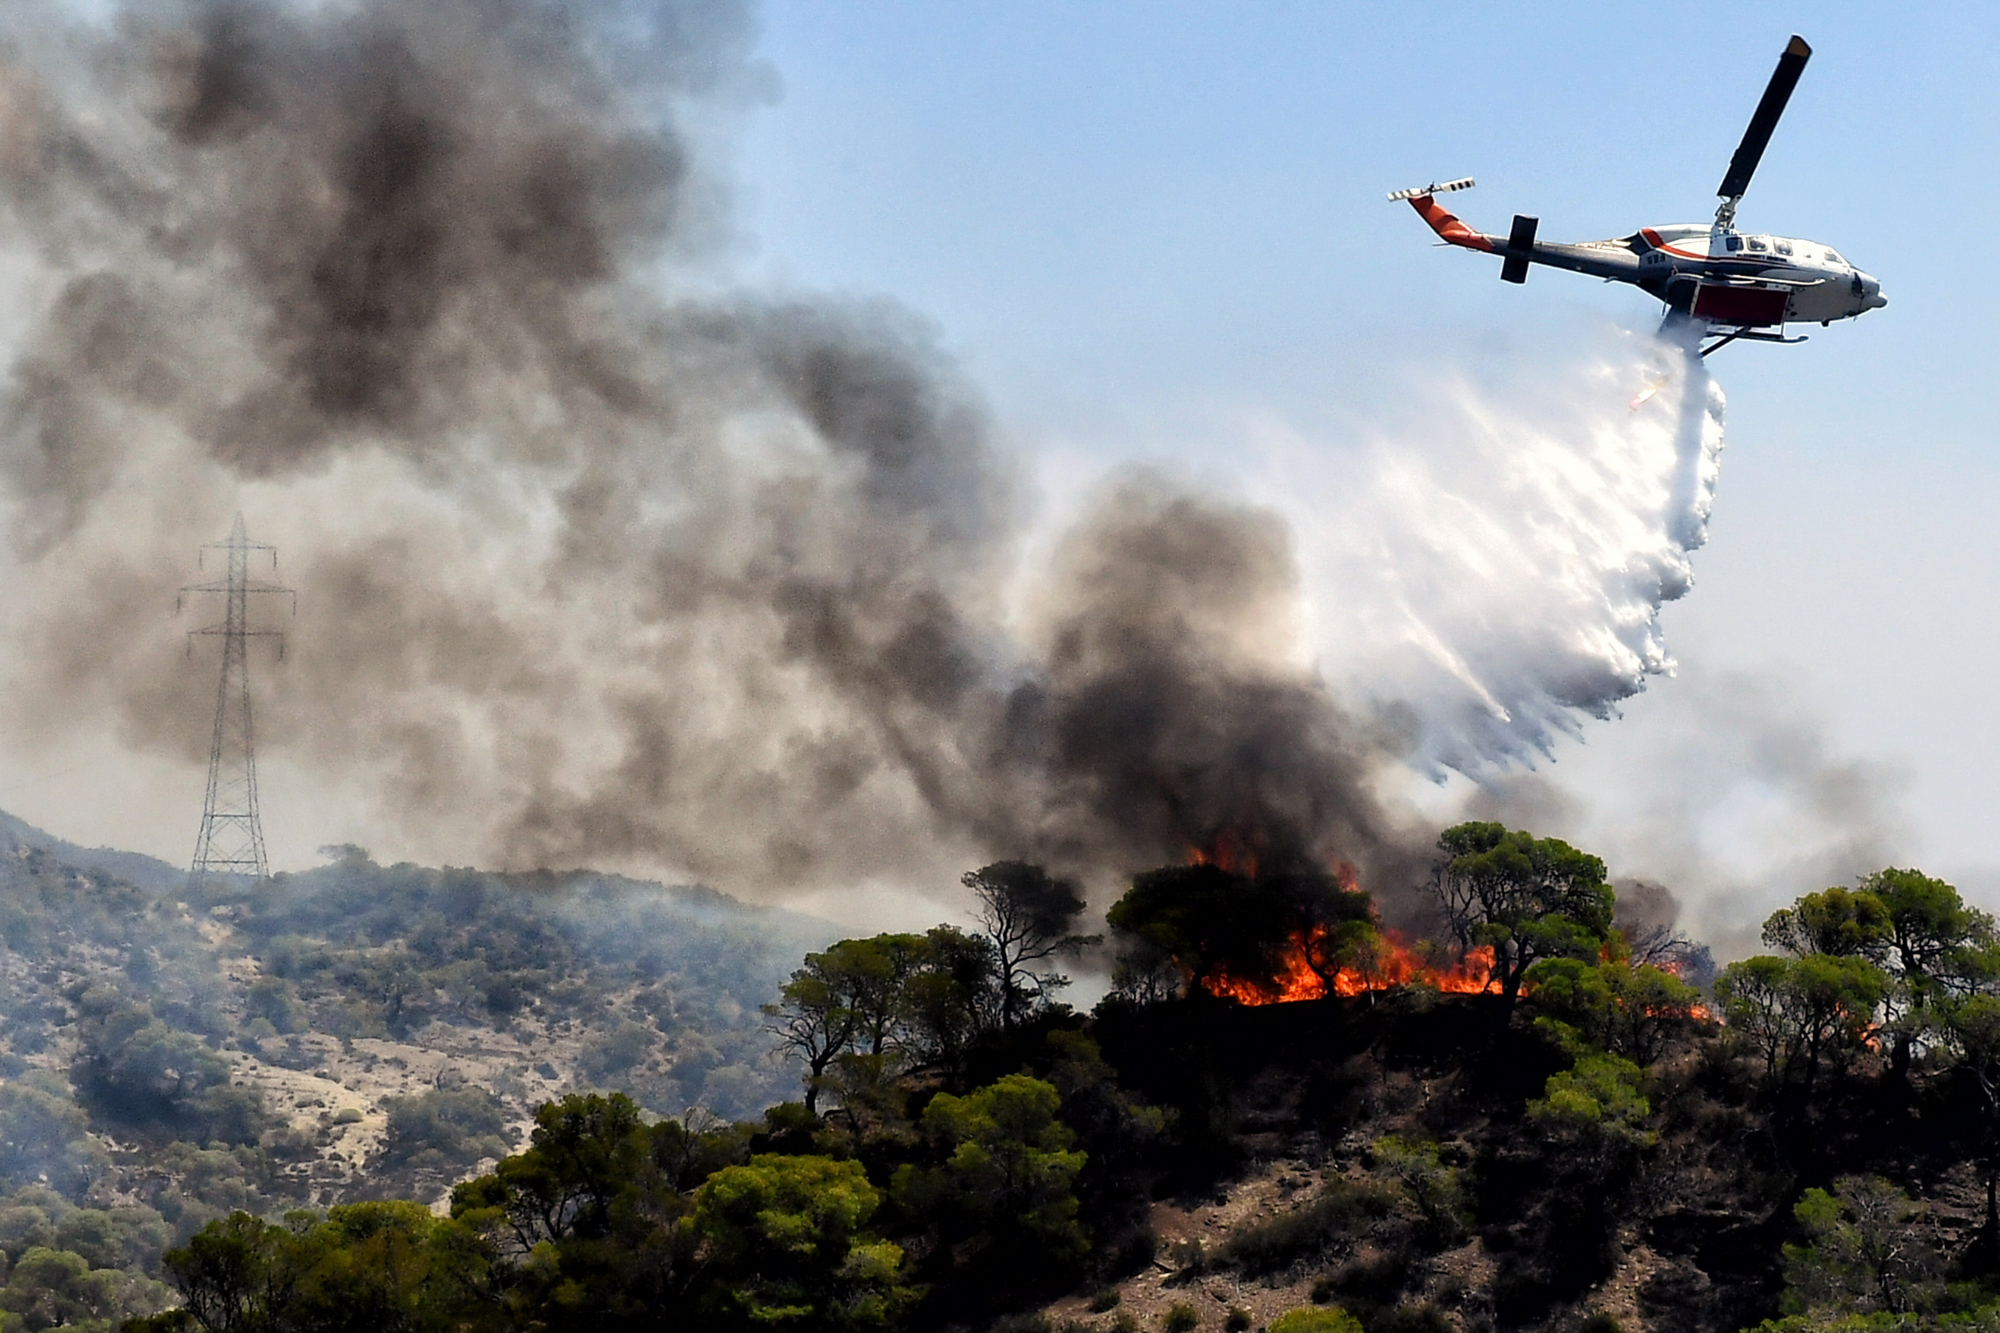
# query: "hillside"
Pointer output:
{"type": "Point", "coordinates": [352, 1031]}
{"type": "Point", "coordinates": [373, 1097]}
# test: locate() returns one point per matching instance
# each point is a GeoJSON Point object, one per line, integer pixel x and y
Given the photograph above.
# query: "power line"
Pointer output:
{"type": "Point", "coordinates": [232, 836]}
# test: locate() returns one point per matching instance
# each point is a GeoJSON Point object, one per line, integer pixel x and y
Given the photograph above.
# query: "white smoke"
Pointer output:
{"type": "Point", "coordinates": [1492, 571]}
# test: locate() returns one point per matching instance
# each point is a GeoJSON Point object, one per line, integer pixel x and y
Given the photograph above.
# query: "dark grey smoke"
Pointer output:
{"type": "Point", "coordinates": [596, 567]}
{"type": "Point", "coordinates": [1166, 711]}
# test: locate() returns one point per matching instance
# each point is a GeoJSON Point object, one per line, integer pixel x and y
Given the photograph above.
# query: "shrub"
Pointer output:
{"type": "Point", "coordinates": [276, 1001]}
{"type": "Point", "coordinates": [1432, 1186]}
{"type": "Point", "coordinates": [135, 1071]}
{"type": "Point", "coordinates": [51, 1288]}
{"type": "Point", "coordinates": [1597, 1100]}
{"type": "Point", "coordinates": [1411, 1317]}
{"type": "Point", "coordinates": [1865, 1251]}
{"type": "Point", "coordinates": [1287, 1239]}
{"type": "Point", "coordinates": [444, 1128]}
{"type": "Point", "coordinates": [1309, 1319]}
{"type": "Point", "coordinates": [43, 1136]}
{"type": "Point", "coordinates": [617, 1051]}
{"type": "Point", "coordinates": [1180, 1317]}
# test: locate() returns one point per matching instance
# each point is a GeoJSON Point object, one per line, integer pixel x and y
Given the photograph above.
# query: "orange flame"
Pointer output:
{"type": "Point", "coordinates": [1228, 852]}
{"type": "Point", "coordinates": [1677, 967]}
{"type": "Point", "coordinates": [1392, 963]}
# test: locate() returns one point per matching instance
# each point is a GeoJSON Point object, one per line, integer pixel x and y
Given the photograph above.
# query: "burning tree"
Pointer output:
{"type": "Point", "coordinates": [1525, 898]}
{"type": "Point", "coordinates": [1252, 938]}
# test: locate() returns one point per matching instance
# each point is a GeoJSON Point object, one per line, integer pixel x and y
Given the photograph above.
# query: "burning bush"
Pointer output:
{"type": "Point", "coordinates": [1269, 939]}
{"type": "Point", "coordinates": [1258, 939]}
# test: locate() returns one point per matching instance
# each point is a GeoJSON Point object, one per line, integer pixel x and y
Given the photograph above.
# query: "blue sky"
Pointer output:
{"type": "Point", "coordinates": [1138, 224]}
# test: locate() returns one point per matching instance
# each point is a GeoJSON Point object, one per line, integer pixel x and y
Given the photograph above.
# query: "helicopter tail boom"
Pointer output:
{"type": "Point", "coordinates": [1447, 226]}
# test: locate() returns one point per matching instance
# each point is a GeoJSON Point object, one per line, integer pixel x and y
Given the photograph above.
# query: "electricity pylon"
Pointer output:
{"type": "Point", "coordinates": [232, 838]}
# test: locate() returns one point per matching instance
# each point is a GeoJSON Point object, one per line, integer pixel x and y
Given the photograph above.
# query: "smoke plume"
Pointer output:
{"type": "Point", "coordinates": [597, 565]}
{"type": "Point", "coordinates": [1747, 804]}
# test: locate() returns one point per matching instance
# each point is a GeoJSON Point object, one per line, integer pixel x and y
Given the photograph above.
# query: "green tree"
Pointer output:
{"type": "Point", "coordinates": [365, 1268]}
{"type": "Point", "coordinates": [1525, 898]}
{"type": "Point", "coordinates": [1630, 1011]}
{"type": "Point", "coordinates": [1939, 948]}
{"type": "Point", "coordinates": [1011, 1169]}
{"type": "Point", "coordinates": [862, 1009]}
{"type": "Point", "coordinates": [1970, 1027]}
{"type": "Point", "coordinates": [815, 1017]}
{"type": "Point", "coordinates": [389, 1267]}
{"type": "Point", "coordinates": [1598, 1100]}
{"type": "Point", "coordinates": [1863, 1252]}
{"type": "Point", "coordinates": [1029, 916]}
{"type": "Point", "coordinates": [1800, 1013]}
{"type": "Point", "coordinates": [952, 1000]}
{"type": "Point", "coordinates": [877, 974]}
{"type": "Point", "coordinates": [1841, 923]}
{"type": "Point", "coordinates": [50, 1288]}
{"type": "Point", "coordinates": [588, 1225]}
{"type": "Point", "coordinates": [236, 1275]}
{"type": "Point", "coordinates": [1932, 933]}
{"type": "Point", "coordinates": [787, 1239]}
{"type": "Point", "coordinates": [583, 1152]}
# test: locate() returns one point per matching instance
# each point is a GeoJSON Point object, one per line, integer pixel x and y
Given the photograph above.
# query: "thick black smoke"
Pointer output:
{"type": "Point", "coordinates": [597, 566]}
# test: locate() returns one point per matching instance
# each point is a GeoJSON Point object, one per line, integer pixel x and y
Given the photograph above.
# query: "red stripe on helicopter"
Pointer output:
{"type": "Point", "coordinates": [1449, 227]}
{"type": "Point", "coordinates": [1653, 239]}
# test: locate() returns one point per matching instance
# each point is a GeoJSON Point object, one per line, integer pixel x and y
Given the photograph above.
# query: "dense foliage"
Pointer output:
{"type": "Point", "coordinates": [1581, 1147]}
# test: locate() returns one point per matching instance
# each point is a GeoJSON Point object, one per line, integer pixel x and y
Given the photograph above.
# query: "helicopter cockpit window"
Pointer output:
{"type": "Point", "coordinates": [1756, 244]}
{"type": "Point", "coordinates": [1834, 255]}
{"type": "Point", "coordinates": [1734, 242]}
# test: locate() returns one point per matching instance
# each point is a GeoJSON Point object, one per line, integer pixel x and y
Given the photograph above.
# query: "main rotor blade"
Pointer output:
{"type": "Point", "coordinates": [1776, 93]}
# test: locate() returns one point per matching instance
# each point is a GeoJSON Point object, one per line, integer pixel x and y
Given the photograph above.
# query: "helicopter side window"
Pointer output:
{"type": "Point", "coordinates": [1782, 247]}
{"type": "Point", "coordinates": [1756, 244]}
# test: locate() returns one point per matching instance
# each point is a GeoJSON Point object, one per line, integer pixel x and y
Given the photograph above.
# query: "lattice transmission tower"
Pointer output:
{"type": "Point", "coordinates": [232, 838]}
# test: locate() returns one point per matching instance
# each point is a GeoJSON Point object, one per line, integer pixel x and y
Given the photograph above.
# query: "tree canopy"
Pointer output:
{"type": "Point", "coordinates": [1523, 897]}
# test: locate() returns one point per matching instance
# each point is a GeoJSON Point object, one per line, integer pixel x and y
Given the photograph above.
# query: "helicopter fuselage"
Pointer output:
{"type": "Point", "coordinates": [1714, 274]}
{"type": "Point", "coordinates": [1727, 277]}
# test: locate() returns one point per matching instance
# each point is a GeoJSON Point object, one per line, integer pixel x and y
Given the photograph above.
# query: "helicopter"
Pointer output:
{"type": "Point", "coordinates": [1716, 281]}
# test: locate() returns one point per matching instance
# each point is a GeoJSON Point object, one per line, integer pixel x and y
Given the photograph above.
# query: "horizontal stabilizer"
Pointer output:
{"type": "Point", "coordinates": [1424, 191]}
{"type": "Point", "coordinates": [1520, 245]}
